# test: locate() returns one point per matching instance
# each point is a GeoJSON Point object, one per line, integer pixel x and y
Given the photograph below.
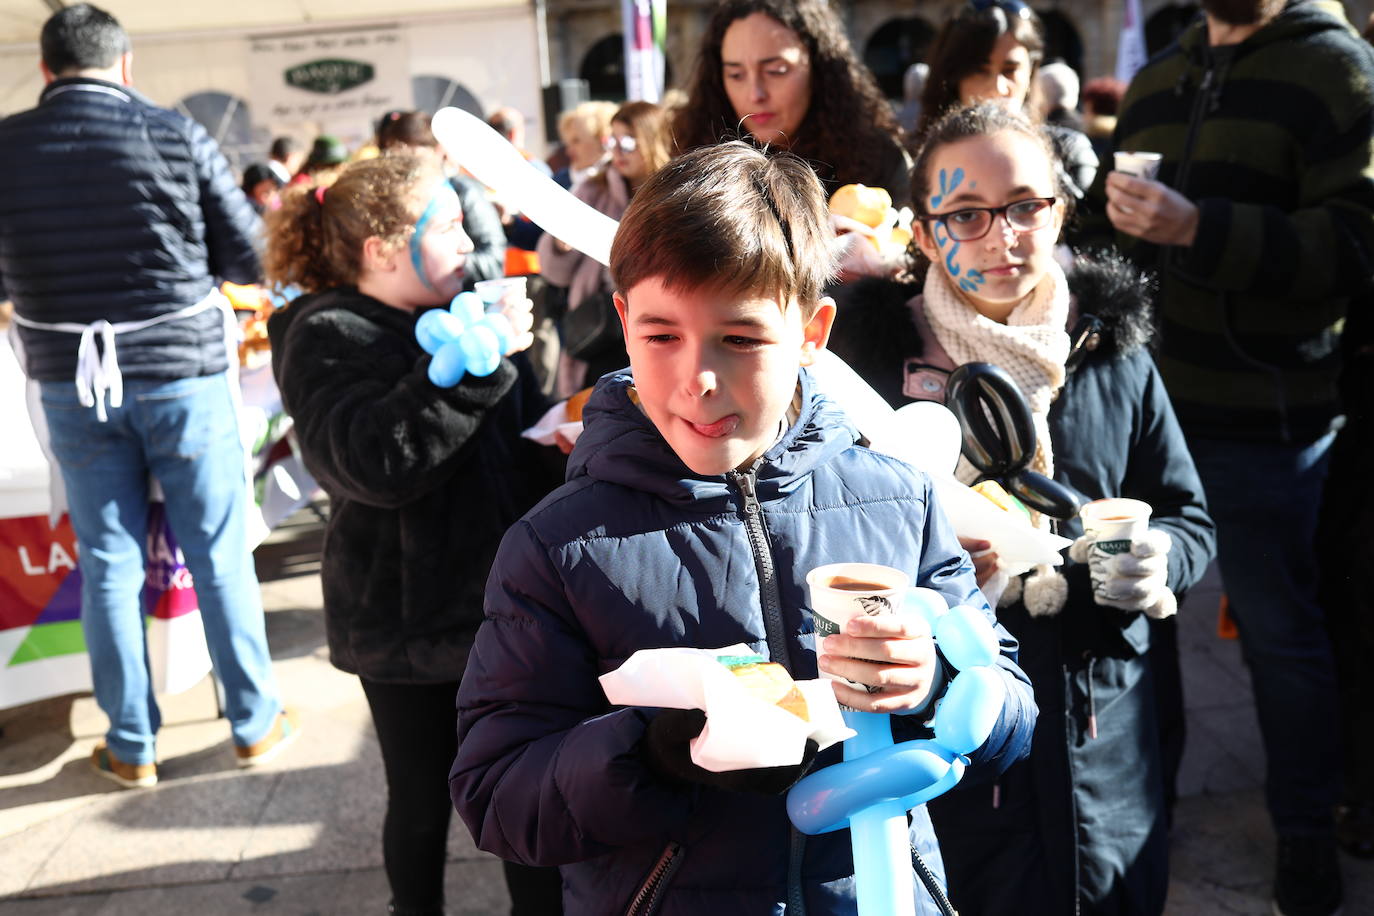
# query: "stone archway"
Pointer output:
{"type": "Point", "coordinates": [227, 120]}
{"type": "Point", "coordinates": [1062, 41]}
{"type": "Point", "coordinates": [895, 46]}
{"type": "Point", "coordinates": [603, 67]}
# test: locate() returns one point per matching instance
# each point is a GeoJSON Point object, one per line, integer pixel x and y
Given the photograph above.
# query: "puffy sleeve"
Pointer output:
{"type": "Point", "coordinates": [547, 772]}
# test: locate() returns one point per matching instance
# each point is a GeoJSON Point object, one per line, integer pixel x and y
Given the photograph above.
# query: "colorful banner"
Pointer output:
{"type": "Point", "coordinates": [646, 28]}
{"type": "Point", "coordinates": [1130, 47]}
{"type": "Point", "coordinates": [42, 650]}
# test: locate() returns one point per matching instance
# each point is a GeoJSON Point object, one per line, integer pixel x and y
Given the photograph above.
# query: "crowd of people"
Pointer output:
{"type": "Point", "coordinates": [1190, 338]}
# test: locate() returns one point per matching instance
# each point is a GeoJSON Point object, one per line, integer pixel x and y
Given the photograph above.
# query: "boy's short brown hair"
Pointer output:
{"type": "Point", "coordinates": [729, 218]}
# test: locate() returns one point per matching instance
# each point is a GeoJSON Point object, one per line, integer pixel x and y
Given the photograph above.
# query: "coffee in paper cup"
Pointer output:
{"type": "Point", "coordinates": [1112, 524]}
{"type": "Point", "coordinates": [1138, 164]}
{"type": "Point", "coordinates": [839, 591]}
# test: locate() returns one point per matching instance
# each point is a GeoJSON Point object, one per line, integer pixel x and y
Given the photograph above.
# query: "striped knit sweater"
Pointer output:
{"type": "Point", "coordinates": [1272, 140]}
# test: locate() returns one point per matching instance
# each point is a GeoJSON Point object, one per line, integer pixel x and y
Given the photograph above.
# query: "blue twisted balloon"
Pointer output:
{"type": "Point", "coordinates": [878, 782]}
{"type": "Point", "coordinates": [464, 339]}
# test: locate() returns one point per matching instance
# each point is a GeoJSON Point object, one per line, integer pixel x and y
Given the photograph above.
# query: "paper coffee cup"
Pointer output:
{"type": "Point", "coordinates": [1111, 524]}
{"type": "Point", "coordinates": [501, 289]}
{"type": "Point", "coordinates": [1139, 164]}
{"type": "Point", "coordinates": [839, 591]}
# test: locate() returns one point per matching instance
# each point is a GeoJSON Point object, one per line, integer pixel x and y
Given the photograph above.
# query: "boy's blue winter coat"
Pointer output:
{"type": "Point", "coordinates": [634, 552]}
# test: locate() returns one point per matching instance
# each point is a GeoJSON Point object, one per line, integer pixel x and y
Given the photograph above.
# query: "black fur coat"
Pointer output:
{"type": "Point", "coordinates": [423, 481]}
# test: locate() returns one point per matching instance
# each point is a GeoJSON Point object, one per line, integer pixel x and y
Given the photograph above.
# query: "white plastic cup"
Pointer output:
{"type": "Point", "coordinates": [1138, 163]}
{"type": "Point", "coordinates": [502, 289]}
{"type": "Point", "coordinates": [840, 591]}
{"type": "Point", "coordinates": [1112, 524]}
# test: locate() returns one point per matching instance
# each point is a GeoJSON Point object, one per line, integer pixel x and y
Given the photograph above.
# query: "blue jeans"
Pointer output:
{"type": "Point", "coordinates": [1264, 499]}
{"type": "Point", "coordinates": [184, 433]}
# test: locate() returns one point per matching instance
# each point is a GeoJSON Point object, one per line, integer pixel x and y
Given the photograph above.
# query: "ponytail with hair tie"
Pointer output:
{"type": "Point", "coordinates": [314, 250]}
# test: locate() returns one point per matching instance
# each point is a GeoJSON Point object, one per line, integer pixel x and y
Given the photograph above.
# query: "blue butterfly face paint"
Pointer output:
{"type": "Point", "coordinates": [973, 280]}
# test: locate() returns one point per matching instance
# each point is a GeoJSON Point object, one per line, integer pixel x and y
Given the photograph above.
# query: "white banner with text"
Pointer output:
{"type": "Point", "coordinates": [356, 75]}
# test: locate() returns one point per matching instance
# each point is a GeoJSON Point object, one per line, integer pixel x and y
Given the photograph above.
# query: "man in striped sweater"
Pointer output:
{"type": "Point", "coordinates": [1261, 226]}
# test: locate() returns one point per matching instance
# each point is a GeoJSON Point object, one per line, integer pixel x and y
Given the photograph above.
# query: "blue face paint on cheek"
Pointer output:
{"type": "Point", "coordinates": [443, 193]}
{"type": "Point", "coordinates": [949, 183]}
{"type": "Point", "coordinates": [951, 265]}
{"type": "Point", "coordinates": [973, 280]}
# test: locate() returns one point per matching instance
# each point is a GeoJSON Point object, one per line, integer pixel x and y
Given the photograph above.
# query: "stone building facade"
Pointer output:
{"type": "Point", "coordinates": [584, 35]}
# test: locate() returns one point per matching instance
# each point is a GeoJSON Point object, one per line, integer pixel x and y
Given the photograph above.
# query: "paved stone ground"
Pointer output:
{"type": "Point", "coordinates": [300, 836]}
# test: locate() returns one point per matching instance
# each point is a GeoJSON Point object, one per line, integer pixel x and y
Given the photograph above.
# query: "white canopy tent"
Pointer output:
{"type": "Point", "coordinates": [207, 57]}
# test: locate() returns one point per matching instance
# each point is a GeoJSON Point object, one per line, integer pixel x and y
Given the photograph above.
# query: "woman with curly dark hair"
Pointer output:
{"type": "Point", "coordinates": [783, 72]}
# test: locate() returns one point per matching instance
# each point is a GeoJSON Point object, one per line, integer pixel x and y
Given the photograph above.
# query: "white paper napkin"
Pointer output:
{"type": "Point", "coordinates": [741, 730]}
{"type": "Point", "coordinates": [555, 419]}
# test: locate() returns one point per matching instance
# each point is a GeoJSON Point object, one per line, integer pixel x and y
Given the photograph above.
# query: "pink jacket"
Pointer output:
{"type": "Point", "coordinates": [573, 269]}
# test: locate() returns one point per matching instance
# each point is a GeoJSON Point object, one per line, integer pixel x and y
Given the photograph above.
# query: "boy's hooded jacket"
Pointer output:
{"type": "Point", "coordinates": [634, 552]}
{"type": "Point", "coordinates": [422, 480]}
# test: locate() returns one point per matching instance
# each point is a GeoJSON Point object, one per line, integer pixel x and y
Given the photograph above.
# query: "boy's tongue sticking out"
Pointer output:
{"type": "Point", "coordinates": [715, 372]}
{"type": "Point", "coordinates": [722, 427]}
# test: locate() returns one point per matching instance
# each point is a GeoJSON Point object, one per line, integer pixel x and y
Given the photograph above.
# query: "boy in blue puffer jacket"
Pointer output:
{"type": "Point", "coordinates": [707, 483]}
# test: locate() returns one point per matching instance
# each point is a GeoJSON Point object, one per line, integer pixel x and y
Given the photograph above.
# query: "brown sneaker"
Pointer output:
{"type": "Point", "coordinates": [283, 732]}
{"type": "Point", "coordinates": [128, 775]}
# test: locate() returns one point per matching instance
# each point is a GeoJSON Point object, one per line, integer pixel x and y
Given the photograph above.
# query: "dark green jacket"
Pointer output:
{"type": "Point", "coordinates": [1272, 141]}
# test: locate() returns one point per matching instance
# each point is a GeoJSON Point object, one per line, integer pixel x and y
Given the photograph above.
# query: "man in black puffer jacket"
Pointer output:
{"type": "Point", "coordinates": [116, 219]}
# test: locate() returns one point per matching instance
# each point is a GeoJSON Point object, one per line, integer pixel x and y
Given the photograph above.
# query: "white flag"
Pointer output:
{"type": "Point", "coordinates": [645, 24]}
{"type": "Point", "coordinates": [1130, 49]}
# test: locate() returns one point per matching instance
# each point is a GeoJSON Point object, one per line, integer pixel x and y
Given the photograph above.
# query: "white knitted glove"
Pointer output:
{"type": "Point", "coordinates": [1132, 581]}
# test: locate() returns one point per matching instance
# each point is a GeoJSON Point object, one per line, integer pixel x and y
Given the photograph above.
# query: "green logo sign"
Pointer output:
{"type": "Point", "coordinates": [329, 76]}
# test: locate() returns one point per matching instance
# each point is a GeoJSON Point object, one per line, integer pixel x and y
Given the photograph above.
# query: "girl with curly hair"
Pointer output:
{"type": "Point", "coordinates": [423, 480]}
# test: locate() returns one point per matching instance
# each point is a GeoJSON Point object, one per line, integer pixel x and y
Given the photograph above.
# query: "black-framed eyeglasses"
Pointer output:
{"type": "Point", "coordinates": [972, 223]}
{"type": "Point", "coordinates": [625, 144]}
{"type": "Point", "coordinates": [1011, 7]}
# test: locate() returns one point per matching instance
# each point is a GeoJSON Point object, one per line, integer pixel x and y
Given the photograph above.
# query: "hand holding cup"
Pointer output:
{"type": "Point", "coordinates": [1139, 205]}
{"type": "Point", "coordinates": [506, 296]}
{"type": "Point", "coordinates": [1128, 562]}
{"type": "Point", "coordinates": [880, 660]}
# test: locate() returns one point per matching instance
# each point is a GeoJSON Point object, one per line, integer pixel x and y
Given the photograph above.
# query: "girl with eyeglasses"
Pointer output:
{"type": "Point", "coordinates": [593, 343]}
{"type": "Point", "coordinates": [991, 51]}
{"type": "Point", "coordinates": [783, 74]}
{"type": "Point", "coordinates": [1079, 826]}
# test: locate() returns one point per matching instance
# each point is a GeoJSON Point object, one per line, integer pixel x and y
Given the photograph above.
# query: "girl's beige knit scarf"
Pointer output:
{"type": "Point", "coordinates": [1032, 347]}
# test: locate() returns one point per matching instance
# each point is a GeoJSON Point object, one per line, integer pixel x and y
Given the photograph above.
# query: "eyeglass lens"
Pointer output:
{"type": "Point", "coordinates": [971, 225]}
{"type": "Point", "coordinates": [625, 144]}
